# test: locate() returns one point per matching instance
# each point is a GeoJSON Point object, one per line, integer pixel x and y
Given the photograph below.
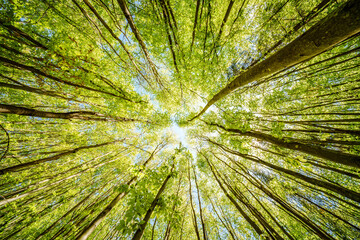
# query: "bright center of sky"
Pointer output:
{"type": "Point", "coordinates": [180, 134]}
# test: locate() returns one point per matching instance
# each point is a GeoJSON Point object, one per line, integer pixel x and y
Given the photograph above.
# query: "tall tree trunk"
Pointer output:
{"type": "Point", "coordinates": [195, 22]}
{"type": "Point", "coordinates": [66, 214]}
{"type": "Point", "coordinates": [192, 205]}
{"type": "Point", "coordinates": [136, 32]}
{"type": "Point", "coordinates": [329, 212]}
{"type": "Point", "coordinates": [56, 157]}
{"type": "Point", "coordinates": [153, 229]}
{"type": "Point", "coordinates": [232, 200]}
{"type": "Point", "coordinates": [36, 71]}
{"type": "Point", "coordinates": [139, 233]}
{"type": "Point", "coordinates": [81, 115]}
{"type": "Point", "coordinates": [19, 32]}
{"type": "Point", "coordinates": [85, 233]}
{"type": "Point", "coordinates": [224, 222]}
{"type": "Point", "coordinates": [333, 29]}
{"type": "Point", "coordinates": [227, 14]}
{"type": "Point", "coordinates": [9, 200]}
{"type": "Point", "coordinates": [355, 196]}
{"type": "Point", "coordinates": [200, 208]}
{"type": "Point", "coordinates": [299, 216]}
{"type": "Point", "coordinates": [327, 154]}
{"type": "Point", "coordinates": [257, 214]}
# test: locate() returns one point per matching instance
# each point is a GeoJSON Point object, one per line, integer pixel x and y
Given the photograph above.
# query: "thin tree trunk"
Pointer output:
{"type": "Point", "coordinates": [112, 34]}
{"type": "Point", "coordinates": [34, 70]}
{"type": "Point", "coordinates": [279, 224]}
{"type": "Point", "coordinates": [66, 214]}
{"type": "Point", "coordinates": [139, 233]}
{"type": "Point", "coordinates": [136, 32]}
{"type": "Point", "coordinates": [233, 201]}
{"type": "Point", "coordinates": [329, 212]}
{"type": "Point", "coordinates": [22, 34]}
{"type": "Point", "coordinates": [286, 206]}
{"type": "Point", "coordinates": [228, 228]}
{"type": "Point", "coordinates": [27, 164]}
{"type": "Point", "coordinates": [195, 22]}
{"type": "Point", "coordinates": [241, 197]}
{"type": "Point", "coordinates": [153, 229]}
{"type": "Point", "coordinates": [9, 200]}
{"type": "Point", "coordinates": [191, 204]}
{"type": "Point", "coordinates": [327, 154]}
{"type": "Point", "coordinates": [355, 196]}
{"type": "Point", "coordinates": [86, 232]}
{"type": "Point", "coordinates": [200, 208]}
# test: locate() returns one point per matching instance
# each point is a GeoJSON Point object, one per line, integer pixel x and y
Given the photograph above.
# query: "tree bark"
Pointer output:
{"type": "Point", "coordinates": [136, 32]}
{"type": "Point", "coordinates": [56, 157]}
{"type": "Point", "coordinates": [355, 196]}
{"type": "Point", "coordinates": [261, 219]}
{"type": "Point", "coordinates": [195, 22]}
{"type": "Point", "coordinates": [34, 70]}
{"type": "Point", "coordinates": [333, 29]}
{"type": "Point", "coordinates": [299, 216]}
{"type": "Point", "coordinates": [227, 14]}
{"type": "Point", "coordinates": [139, 233]}
{"type": "Point", "coordinates": [22, 34]}
{"type": "Point", "coordinates": [192, 205]}
{"type": "Point", "coordinates": [233, 201]}
{"type": "Point", "coordinates": [86, 232]}
{"type": "Point", "coordinates": [9, 200]}
{"type": "Point", "coordinates": [200, 208]}
{"type": "Point", "coordinates": [81, 115]}
{"type": "Point", "coordinates": [324, 153]}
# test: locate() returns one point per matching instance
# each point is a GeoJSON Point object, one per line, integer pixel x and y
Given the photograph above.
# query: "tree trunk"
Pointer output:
{"type": "Point", "coordinates": [9, 200]}
{"type": "Point", "coordinates": [333, 29]}
{"type": "Point", "coordinates": [56, 157]}
{"type": "Point", "coordinates": [233, 201]}
{"type": "Point", "coordinates": [139, 233]}
{"type": "Point", "coordinates": [85, 233]}
{"type": "Point", "coordinates": [299, 216]}
{"type": "Point", "coordinates": [200, 208]}
{"type": "Point", "coordinates": [136, 32]}
{"type": "Point", "coordinates": [36, 71]}
{"type": "Point", "coordinates": [81, 115]}
{"type": "Point", "coordinates": [355, 196]}
{"type": "Point", "coordinates": [327, 154]}
{"type": "Point", "coordinates": [192, 205]}
{"type": "Point", "coordinates": [195, 22]}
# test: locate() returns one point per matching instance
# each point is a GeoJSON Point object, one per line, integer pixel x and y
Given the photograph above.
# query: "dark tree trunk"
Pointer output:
{"type": "Point", "coordinates": [327, 154]}
{"type": "Point", "coordinates": [85, 233]}
{"type": "Point", "coordinates": [139, 233]}
{"type": "Point", "coordinates": [28, 164]}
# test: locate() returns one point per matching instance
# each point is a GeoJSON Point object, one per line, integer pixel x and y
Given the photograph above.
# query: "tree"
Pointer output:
{"type": "Point", "coordinates": [96, 98]}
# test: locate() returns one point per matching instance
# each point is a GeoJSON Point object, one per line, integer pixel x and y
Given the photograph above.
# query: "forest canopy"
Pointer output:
{"type": "Point", "coordinates": [178, 119]}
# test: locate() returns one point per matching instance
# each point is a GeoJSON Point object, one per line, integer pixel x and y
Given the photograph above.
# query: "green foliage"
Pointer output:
{"type": "Point", "coordinates": [74, 77]}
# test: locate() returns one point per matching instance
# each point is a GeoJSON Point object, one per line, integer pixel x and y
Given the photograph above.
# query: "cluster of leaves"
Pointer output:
{"type": "Point", "coordinates": [89, 91]}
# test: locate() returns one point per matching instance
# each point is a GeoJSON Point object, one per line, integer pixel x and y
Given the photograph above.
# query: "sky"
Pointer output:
{"type": "Point", "coordinates": [180, 134]}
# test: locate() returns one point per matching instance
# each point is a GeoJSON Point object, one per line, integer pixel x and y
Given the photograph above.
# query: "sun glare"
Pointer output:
{"type": "Point", "coordinates": [179, 133]}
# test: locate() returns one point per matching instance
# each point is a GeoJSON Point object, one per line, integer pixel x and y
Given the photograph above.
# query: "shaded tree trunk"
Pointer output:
{"type": "Point", "coordinates": [81, 115]}
{"type": "Point", "coordinates": [355, 196]}
{"type": "Point", "coordinates": [192, 205]}
{"type": "Point", "coordinates": [233, 201]}
{"type": "Point", "coordinates": [139, 233]}
{"type": "Point", "coordinates": [56, 157]}
{"type": "Point", "coordinates": [86, 232]}
{"type": "Point", "coordinates": [327, 154]}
